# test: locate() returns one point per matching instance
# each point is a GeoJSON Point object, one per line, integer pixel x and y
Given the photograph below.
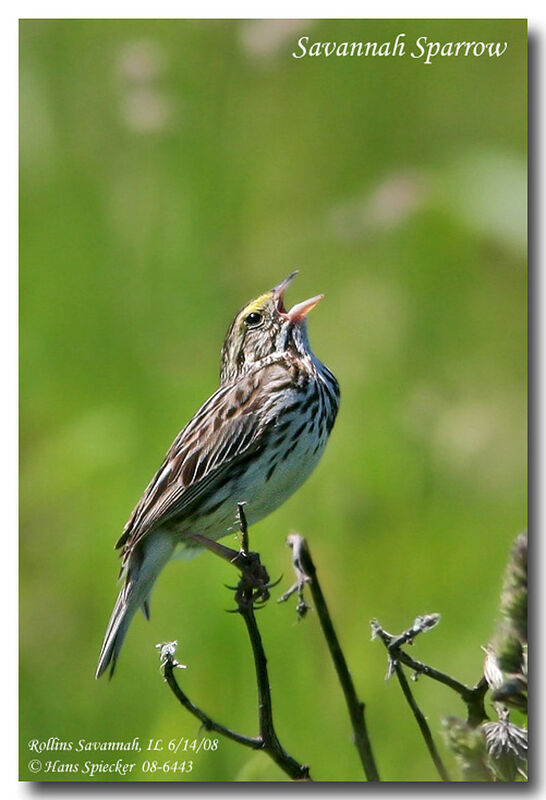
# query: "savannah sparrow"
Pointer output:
{"type": "Point", "coordinates": [256, 439]}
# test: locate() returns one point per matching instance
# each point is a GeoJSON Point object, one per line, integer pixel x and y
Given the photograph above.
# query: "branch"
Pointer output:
{"type": "Point", "coordinates": [168, 665]}
{"type": "Point", "coordinates": [254, 586]}
{"type": "Point", "coordinates": [252, 590]}
{"type": "Point", "coordinates": [423, 724]}
{"type": "Point", "coordinates": [473, 697]}
{"type": "Point", "coordinates": [393, 645]}
{"type": "Point", "coordinates": [306, 574]}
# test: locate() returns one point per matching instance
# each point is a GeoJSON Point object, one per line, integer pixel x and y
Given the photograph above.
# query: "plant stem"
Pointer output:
{"type": "Point", "coordinates": [208, 723]}
{"type": "Point", "coordinates": [473, 697]}
{"type": "Point", "coordinates": [268, 737]}
{"type": "Point", "coordinates": [253, 588]}
{"type": "Point", "coordinates": [421, 721]}
{"type": "Point", "coordinates": [306, 571]}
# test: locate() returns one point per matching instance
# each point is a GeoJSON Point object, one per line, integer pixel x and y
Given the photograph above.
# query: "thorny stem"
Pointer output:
{"type": "Point", "coordinates": [252, 588]}
{"type": "Point", "coordinates": [306, 573]}
{"type": "Point", "coordinates": [169, 664]}
{"type": "Point", "coordinates": [472, 697]}
{"type": "Point", "coordinates": [423, 724]}
{"type": "Point", "coordinates": [268, 736]}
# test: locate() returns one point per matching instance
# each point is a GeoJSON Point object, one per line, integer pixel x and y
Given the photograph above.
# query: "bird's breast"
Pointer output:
{"type": "Point", "coordinates": [297, 423]}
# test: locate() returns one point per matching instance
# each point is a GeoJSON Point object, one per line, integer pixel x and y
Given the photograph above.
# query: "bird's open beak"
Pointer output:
{"type": "Point", "coordinates": [298, 312]}
{"type": "Point", "coordinates": [278, 291]}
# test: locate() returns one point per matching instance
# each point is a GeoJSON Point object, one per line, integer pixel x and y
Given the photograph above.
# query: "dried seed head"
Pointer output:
{"type": "Point", "coordinates": [506, 746]}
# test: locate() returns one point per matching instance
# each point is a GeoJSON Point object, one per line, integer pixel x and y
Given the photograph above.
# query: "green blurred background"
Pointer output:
{"type": "Point", "coordinates": [172, 170]}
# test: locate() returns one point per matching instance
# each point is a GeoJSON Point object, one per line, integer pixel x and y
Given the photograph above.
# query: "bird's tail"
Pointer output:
{"type": "Point", "coordinates": [118, 626]}
{"type": "Point", "coordinates": [141, 573]}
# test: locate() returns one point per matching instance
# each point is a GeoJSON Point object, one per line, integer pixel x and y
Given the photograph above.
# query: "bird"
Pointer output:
{"type": "Point", "coordinates": [255, 440]}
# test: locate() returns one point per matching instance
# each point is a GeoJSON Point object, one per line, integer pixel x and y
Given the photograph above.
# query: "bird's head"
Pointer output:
{"type": "Point", "coordinates": [264, 327]}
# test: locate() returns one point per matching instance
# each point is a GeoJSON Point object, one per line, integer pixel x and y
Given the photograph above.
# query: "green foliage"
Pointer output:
{"type": "Point", "coordinates": [468, 744]}
{"type": "Point", "coordinates": [514, 590]}
{"type": "Point", "coordinates": [508, 649]}
{"type": "Point", "coordinates": [171, 170]}
{"type": "Point", "coordinates": [509, 646]}
{"type": "Point", "coordinates": [500, 747]}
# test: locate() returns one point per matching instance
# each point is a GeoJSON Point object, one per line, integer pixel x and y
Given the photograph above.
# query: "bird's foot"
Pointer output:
{"type": "Point", "coordinates": [254, 584]}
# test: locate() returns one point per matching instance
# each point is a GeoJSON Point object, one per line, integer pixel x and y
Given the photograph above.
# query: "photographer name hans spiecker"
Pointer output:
{"type": "Point", "coordinates": [83, 745]}
{"type": "Point", "coordinates": [423, 48]}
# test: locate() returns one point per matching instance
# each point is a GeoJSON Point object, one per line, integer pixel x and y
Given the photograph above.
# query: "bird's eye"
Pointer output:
{"type": "Point", "coordinates": [253, 320]}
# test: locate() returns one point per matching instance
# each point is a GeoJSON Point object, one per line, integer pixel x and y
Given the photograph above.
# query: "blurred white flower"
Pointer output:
{"type": "Point", "coordinates": [390, 203]}
{"type": "Point", "coordinates": [145, 109]}
{"type": "Point", "coordinates": [484, 191]}
{"type": "Point", "coordinates": [145, 104]}
{"type": "Point", "coordinates": [395, 199]}
{"type": "Point", "coordinates": [141, 61]}
{"type": "Point", "coordinates": [264, 38]}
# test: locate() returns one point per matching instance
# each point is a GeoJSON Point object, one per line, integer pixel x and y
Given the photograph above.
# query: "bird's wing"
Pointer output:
{"type": "Point", "coordinates": [226, 431]}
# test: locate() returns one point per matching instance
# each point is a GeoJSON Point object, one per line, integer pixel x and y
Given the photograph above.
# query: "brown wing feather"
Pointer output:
{"type": "Point", "coordinates": [226, 429]}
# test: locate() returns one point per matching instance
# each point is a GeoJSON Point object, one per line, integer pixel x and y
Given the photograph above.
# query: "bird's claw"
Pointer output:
{"type": "Point", "coordinates": [253, 588]}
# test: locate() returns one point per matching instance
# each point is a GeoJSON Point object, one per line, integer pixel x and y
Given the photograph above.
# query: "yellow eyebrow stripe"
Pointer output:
{"type": "Point", "coordinates": [256, 305]}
